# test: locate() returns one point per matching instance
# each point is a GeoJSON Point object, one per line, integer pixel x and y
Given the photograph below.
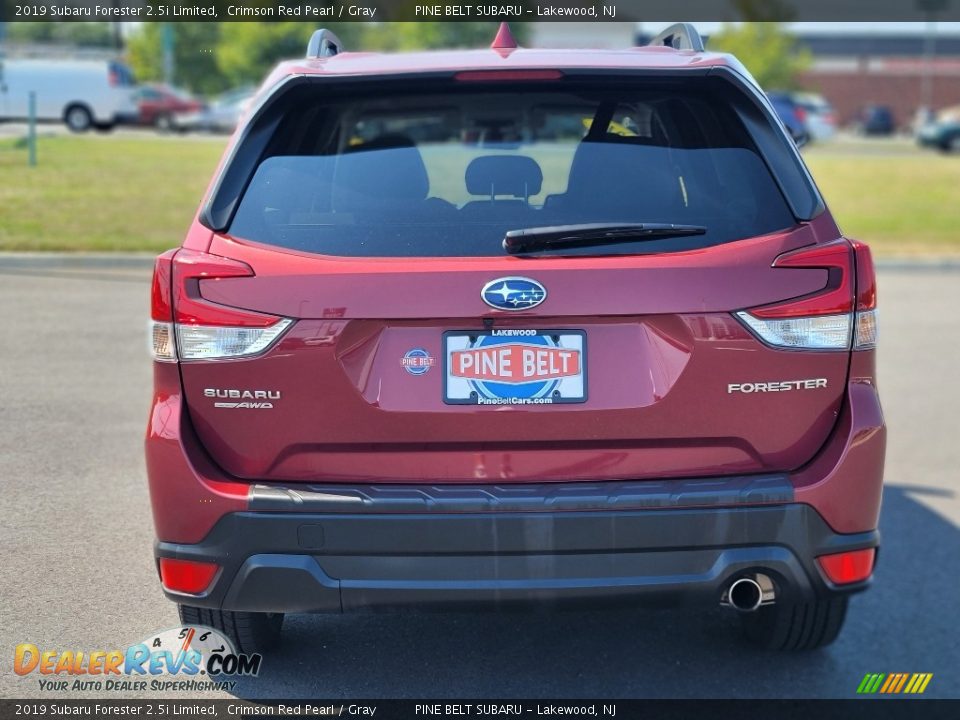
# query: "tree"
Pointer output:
{"type": "Point", "coordinates": [248, 51]}
{"type": "Point", "coordinates": [79, 34]}
{"type": "Point", "coordinates": [209, 57]}
{"type": "Point", "coordinates": [429, 35]}
{"type": "Point", "coordinates": [768, 52]}
{"type": "Point", "coordinates": [195, 47]}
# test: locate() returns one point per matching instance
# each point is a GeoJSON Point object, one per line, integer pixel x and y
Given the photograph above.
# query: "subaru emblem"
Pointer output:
{"type": "Point", "coordinates": [513, 293]}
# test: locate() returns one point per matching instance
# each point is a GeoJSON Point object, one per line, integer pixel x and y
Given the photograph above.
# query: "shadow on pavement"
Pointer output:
{"type": "Point", "coordinates": [906, 623]}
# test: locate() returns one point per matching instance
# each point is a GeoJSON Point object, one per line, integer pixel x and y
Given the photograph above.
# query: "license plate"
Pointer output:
{"type": "Point", "coordinates": [514, 367]}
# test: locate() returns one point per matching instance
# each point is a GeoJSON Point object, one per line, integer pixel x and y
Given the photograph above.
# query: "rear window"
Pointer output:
{"type": "Point", "coordinates": [449, 173]}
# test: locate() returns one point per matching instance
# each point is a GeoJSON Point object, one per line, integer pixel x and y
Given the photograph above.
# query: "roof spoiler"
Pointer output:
{"type": "Point", "coordinates": [323, 43]}
{"type": "Point", "coordinates": [682, 36]}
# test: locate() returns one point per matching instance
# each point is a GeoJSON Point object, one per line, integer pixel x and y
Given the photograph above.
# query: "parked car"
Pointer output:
{"type": "Point", "coordinates": [817, 115]}
{"type": "Point", "coordinates": [877, 120]}
{"type": "Point", "coordinates": [80, 93]}
{"type": "Point", "coordinates": [221, 115]}
{"type": "Point", "coordinates": [791, 114]}
{"type": "Point", "coordinates": [158, 104]}
{"type": "Point", "coordinates": [575, 367]}
{"type": "Point", "coordinates": [943, 132]}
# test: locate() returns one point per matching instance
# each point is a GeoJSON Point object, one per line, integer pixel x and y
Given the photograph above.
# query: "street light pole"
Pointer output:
{"type": "Point", "coordinates": [929, 52]}
{"type": "Point", "coordinates": [166, 41]}
{"type": "Point", "coordinates": [930, 8]}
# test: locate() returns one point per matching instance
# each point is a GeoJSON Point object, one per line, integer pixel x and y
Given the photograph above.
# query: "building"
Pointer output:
{"type": "Point", "coordinates": [901, 65]}
{"type": "Point", "coordinates": [905, 72]}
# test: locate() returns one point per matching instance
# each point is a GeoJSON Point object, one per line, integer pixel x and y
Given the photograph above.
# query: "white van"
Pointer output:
{"type": "Point", "coordinates": [81, 93]}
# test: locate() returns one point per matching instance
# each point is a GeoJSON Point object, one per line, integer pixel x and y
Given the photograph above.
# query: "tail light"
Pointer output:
{"type": "Point", "coordinates": [162, 339]}
{"type": "Point", "coordinates": [801, 114]}
{"type": "Point", "coordinates": [507, 75]}
{"type": "Point", "coordinates": [187, 327]}
{"type": "Point", "coordinates": [829, 319]}
{"type": "Point", "coordinates": [867, 327]}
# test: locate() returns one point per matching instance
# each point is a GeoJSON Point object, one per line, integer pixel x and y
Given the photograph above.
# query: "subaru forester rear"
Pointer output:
{"type": "Point", "coordinates": [509, 327]}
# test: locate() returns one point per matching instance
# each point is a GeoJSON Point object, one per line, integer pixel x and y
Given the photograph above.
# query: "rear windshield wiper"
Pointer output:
{"type": "Point", "coordinates": [533, 239]}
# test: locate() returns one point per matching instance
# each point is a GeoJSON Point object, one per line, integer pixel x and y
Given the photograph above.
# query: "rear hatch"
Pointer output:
{"type": "Point", "coordinates": [411, 347]}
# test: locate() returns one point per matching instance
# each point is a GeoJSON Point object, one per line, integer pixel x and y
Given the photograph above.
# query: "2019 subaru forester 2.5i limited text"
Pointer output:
{"type": "Point", "coordinates": [515, 327]}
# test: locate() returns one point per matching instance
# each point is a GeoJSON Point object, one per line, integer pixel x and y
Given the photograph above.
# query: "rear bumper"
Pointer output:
{"type": "Point", "coordinates": [375, 558]}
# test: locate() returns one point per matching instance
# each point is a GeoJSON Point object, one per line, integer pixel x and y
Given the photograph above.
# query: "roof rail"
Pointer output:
{"type": "Point", "coordinates": [682, 36]}
{"type": "Point", "coordinates": [323, 43]}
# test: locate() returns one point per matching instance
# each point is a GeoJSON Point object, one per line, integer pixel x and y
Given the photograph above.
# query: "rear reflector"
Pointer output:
{"type": "Point", "coordinates": [187, 576]}
{"type": "Point", "coordinates": [848, 567]}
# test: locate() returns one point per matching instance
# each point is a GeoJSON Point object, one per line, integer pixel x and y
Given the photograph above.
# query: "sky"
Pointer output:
{"type": "Point", "coordinates": [848, 28]}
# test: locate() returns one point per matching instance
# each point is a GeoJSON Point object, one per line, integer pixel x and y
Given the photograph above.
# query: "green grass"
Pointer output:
{"type": "Point", "coordinates": [93, 193]}
{"type": "Point", "coordinates": [102, 193]}
{"type": "Point", "coordinates": [899, 204]}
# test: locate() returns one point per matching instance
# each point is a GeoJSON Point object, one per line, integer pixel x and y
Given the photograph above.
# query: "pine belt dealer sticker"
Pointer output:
{"type": "Point", "coordinates": [417, 361]}
{"type": "Point", "coordinates": [189, 659]}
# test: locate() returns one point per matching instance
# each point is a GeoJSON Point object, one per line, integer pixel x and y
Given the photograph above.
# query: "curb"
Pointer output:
{"type": "Point", "coordinates": [77, 261]}
{"type": "Point", "coordinates": [947, 264]}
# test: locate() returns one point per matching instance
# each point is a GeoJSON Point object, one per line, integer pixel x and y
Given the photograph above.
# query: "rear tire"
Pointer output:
{"type": "Point", "coordinates": [249, 632]}
{"type": "Point", "coordinates": [796, 626]}
{"type": "Point", "coordinates": [78, 118]}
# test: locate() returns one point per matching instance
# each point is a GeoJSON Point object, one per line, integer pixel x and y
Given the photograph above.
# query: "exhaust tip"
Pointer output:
{"type": "Point", "coordinates": [745, 595]}
{"type": "Point", "coordinates": [749, 592]}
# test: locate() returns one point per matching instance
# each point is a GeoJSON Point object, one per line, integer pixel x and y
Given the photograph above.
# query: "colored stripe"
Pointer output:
{"type": "Point", "coordinates": [876, 683]}
{"type": "Point", "coordinates": [903, 679]}
{"type": "Point", "coordinates": [913, 681]}
{"type": "Point", "coordinates": [926, 682]}
{"type": "Point", "coordinates": [890, 681]}
{"type": "Point", "coordinates": [862, 688]}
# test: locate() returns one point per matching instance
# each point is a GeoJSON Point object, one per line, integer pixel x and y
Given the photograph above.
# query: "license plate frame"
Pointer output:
{"type": "Point", "coordinates": [563, 389]}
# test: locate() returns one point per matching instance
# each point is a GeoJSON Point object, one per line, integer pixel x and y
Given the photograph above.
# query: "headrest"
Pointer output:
{"type": "Point", "coordinates": [387, 168]}
{"type": "Point", "coordinates": [516, 175]}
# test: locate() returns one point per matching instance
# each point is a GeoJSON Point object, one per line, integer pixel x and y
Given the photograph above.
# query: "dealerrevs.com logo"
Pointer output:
{"type": "Point", "coordinates": [180, 659]}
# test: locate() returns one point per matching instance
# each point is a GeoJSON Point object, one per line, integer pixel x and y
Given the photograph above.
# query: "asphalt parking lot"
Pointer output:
{"type": "Point", "coordinates": [78, 573]}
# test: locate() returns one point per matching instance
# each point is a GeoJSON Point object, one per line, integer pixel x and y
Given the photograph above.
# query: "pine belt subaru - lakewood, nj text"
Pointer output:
{"type": "Point", "coordinates": [509, 327]}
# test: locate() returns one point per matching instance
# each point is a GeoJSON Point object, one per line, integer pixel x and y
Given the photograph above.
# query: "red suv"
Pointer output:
{"type": "Point", "coordinates": [506, 327]}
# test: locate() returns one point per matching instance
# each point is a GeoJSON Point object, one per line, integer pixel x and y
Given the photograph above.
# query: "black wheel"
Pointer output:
{"type": "Point", "coordinates": [78, 118]}
{"type": "Point", "coordinates": [164, 123]}
{"type": "Point", "coordinates": [250, 632]}
{"type": "Point", "coordinates": [796, 626]}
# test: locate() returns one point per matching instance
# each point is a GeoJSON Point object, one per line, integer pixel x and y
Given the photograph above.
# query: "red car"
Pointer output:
{"type": "Point", "coordinates": [515, 327]}
{"type": "Point", "coordinates": [158, 104]}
